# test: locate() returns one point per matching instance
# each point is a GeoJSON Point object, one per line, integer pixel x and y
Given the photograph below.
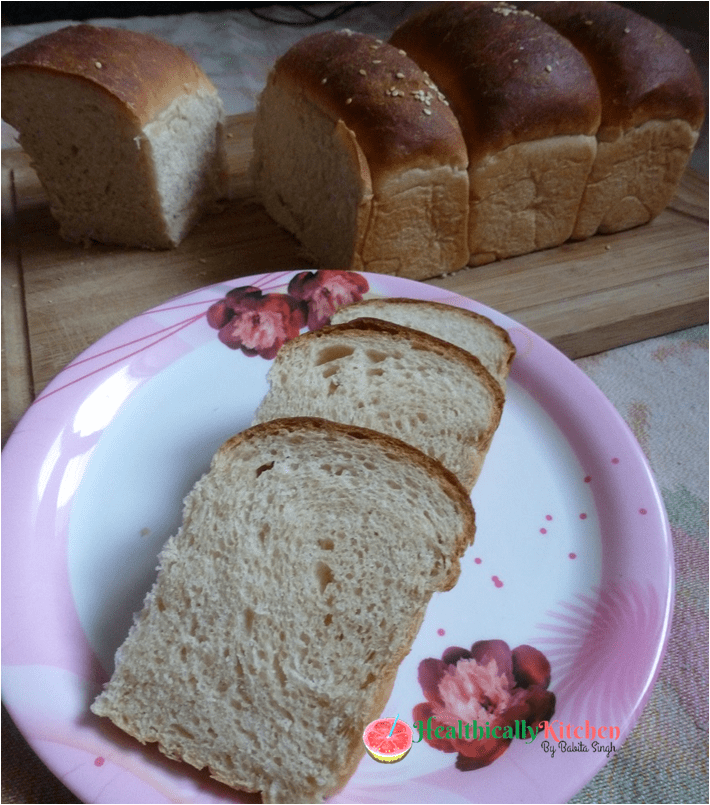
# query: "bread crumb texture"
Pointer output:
{"type": "Point", "coordinates": [276, 625]}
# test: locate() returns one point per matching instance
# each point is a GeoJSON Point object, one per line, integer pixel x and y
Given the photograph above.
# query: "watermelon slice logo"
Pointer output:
{"type": "Point", "coordinates": [387, 740]}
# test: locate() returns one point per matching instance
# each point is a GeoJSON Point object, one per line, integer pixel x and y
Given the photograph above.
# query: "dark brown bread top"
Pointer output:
{"type": "Point", "coordinates": [144, 73]}
{"type": "Point", "coordinates": [509, 76]}
{"type": "Point", "coordinates": [643, 72]}
{"type": "Point", "coordinates": [397, 113]}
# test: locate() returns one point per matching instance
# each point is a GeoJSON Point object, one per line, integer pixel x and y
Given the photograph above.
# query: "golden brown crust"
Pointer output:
{"type": "Point", "coordinates": [509, 76]}
{"type": "Point", "coordinates": [398, 115]}
{"type": "Point", "coordinates": [143, 73]}
{"type": "Point", "coordinates": [643, 72]}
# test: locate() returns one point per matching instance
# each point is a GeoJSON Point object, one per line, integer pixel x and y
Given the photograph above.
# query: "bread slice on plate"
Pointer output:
{"type": "Point", "coordinates": [285, 604]}
{"type": "Point", "coordinates": [471, 331]}
{"type": "Point", "coordinates": [400, 381]}
{"type": "Point", "coordinates": [124, 130]}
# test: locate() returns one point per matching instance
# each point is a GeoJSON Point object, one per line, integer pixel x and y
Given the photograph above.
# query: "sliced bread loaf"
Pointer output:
{"type": "Point", "coordinates": [471, 331]}
{"type": "Point", "coordinates": [400, 381]}
{"type": "Point", "coordinates": [125, 132]}
{"type": "Point", "coordinates": [285, 604]}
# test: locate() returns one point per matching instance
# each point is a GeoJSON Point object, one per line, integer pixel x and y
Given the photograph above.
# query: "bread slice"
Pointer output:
{"type": "Point", "coordinates": [285, 604]}
{"type": "Point", "coordinates": [652, 109]}
{"type": "Point", "coordinates": [357, 154]}
{"type": "Point", "coordinates": [529, 109]}
{"type": "Point", "coordinates": [125, 132]}
{"type": "Point", "coordinates": [400, 381]}
{"type": "Point", "coordinates": [471, 331]}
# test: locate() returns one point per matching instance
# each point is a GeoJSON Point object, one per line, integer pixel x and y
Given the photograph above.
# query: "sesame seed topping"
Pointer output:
{"type": "Point", "coordinates": [402, 52]}
{"type": "Point", "coordinates": [426, 111]}
{"type": "Point", "coordinates": [98, 64]}
{"type": "Point", "coordinates": [548, 68]}
{"type": "Point", "coordinates": [627, 30]}
{"type": "Point", "coordinates": [399, 75]}
{"type": "Point", "coordinates": [362, 72]}
{"type": "Point", "coordinates": [324, 80]}
{"type": "Point", "coordinates": [349, 100]}
{"type": "Point", "coordinates": [589, 22]}
{"type": "Point", "coordinates": [377, 61]}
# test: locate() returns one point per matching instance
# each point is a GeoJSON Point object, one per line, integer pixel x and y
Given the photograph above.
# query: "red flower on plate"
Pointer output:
{"type": "Point", "coordinates": [487, 686]}
{"type": "Point", "coordinates": [256, 323]}
{"type": "Point", "coordinates": [326, 291]}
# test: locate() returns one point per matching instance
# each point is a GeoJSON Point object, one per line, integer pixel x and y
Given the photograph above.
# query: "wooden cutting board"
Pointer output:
{"type": "Point", "coordinates": [58, 298]}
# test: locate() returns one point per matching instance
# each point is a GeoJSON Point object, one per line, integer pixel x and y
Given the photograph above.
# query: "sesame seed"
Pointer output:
{"type": "Point", "coordinates": [349, 100]}
{"type": "Point", "coordinates": [589, 22]}
{"type": "Point", "coordinates": [399, 75]}
{"type": "Point", "coordinates": [626, 30]}
{"type": "Point", "coordinates": [98, 64]}
{"type": "Point", "coordinates": [377, 61]}
{"type": "Point", "coordinates": [362, 72]}
{"type": "Point", "coordinates": [548, 68]}
{"type": "Point", "coordinates": [324, 80]}
{"type": "Point", "coordinates": [402, 52]}
{"type": "Point", "coordinates": [426, 111]}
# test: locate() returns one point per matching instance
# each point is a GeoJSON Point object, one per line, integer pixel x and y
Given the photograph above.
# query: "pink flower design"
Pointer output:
{"type": "Point", "coordinates": [256, 323]}
{"type": "Point", "coordinates": [490, 685]}
{"type": "Point", "coordinates": [326, 291]}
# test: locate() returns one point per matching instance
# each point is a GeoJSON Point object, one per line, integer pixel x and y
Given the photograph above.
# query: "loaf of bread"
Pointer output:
{"type": "Point", "coordinates": [652, 110]}
{"type": "Point", "coordinates": [529, 109]}
{"type": "Point", "coordinates": [125, 133]}
{"type": "Point", "coordinates": [358, 155]}
{"type": "Point", "coordinates": [285, 604]}
{"type": "Point", "coordinates": [400, 381]}
{"type": "Point", "coordinates": [471, 331]}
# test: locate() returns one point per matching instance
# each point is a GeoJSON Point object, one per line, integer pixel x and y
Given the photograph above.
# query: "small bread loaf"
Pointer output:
{"type": "Point", "coordinates": [124, 131]}
{"type": "Point", "coordinates": [358, 155]}
{"type": "Point", "coordinates": [652, 110]}
{"type": "Point", "coordinates": [285, 604]}
{"type": "Point", "coordinates": [475, 333]}
{"type": "Point", "coordinates": [400, 381]}
{"type": "Point", "coordinates": [529, 109]}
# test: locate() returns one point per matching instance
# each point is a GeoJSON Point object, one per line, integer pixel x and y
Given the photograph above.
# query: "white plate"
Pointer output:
{"type": "Point", "coordinates": [572, 555]}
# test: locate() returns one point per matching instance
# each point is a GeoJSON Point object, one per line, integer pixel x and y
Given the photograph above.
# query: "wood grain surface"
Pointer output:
{"type": "Point", "coordinates": [59, 298]}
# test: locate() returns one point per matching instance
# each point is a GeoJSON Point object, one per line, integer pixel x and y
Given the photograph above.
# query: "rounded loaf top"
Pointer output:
{"type": "Point", "coordinates": [144, 73]}
{"type": "Point", "coordinates": [397, 113]}
{"type": "Point", "coordinates": [510, 77]}
{"type": "Point", "coordinates": [643, 72]}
